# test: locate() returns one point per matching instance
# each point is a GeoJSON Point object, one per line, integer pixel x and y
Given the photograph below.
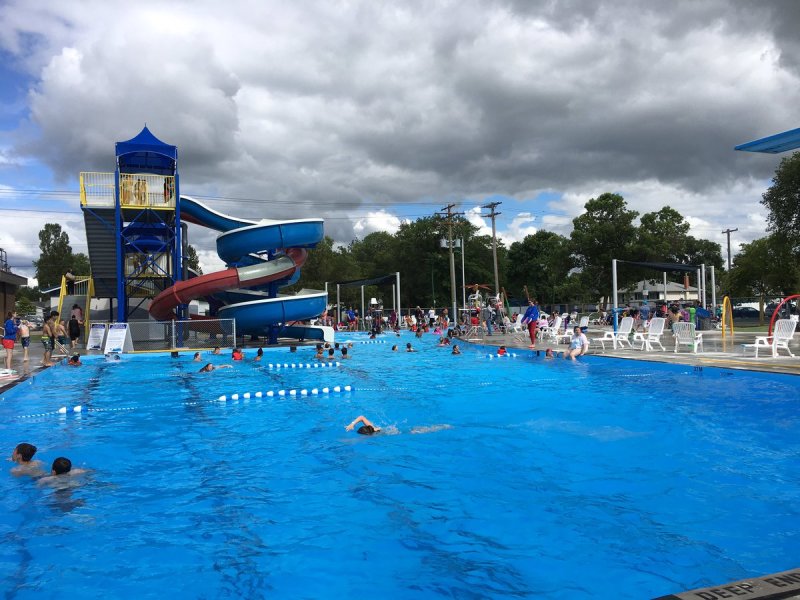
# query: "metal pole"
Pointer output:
{"type": "Point", "coordinates": [697, 274]}
{"type": "Point", "coordinates": [399, 306]}
{"type": "Point", "coordinates": [713, 291]}
{"type": "Point", "coordinates": [363, 314]}
{"type": "Point", "coordinates": [463, 283]}
{"type": "Point", "coordinates": [703, 276]}
{"type": "Point", "coordinates": [728, 232]}
{"type": "Point", "coordinates": [338, 307]}
{"type": "Point", "coordinates": [665, 288]}
{"type": "Point", "coordinates": [491, 206]}
{"type": "Point", "coordinates": [614, 297]}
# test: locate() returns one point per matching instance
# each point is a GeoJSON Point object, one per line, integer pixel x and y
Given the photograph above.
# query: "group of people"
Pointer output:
{"type": "Point", "coordinates": [26, 466]}
{"type": "Point", "coordinates": [53, 330]}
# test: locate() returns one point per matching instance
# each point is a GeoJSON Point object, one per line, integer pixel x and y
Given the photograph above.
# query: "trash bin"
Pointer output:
{"type": "Point", "coordinates": [704, 324]}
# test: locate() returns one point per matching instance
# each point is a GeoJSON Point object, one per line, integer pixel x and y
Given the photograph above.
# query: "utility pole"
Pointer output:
{"type": "Point", "coordinates": [449, 214]}
{"type": "Point", "coordinates": [491, 206]}
{"type": "Point", "coordinates": [729, 232]}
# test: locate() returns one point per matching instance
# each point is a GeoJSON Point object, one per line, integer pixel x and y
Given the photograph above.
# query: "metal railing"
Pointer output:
{"type": "Point", "coordinates": [137, 190]}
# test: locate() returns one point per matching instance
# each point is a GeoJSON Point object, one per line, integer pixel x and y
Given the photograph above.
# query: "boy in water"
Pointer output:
{"type": "Point", "coordinates": [23, 456]}
{"type": "Point", "coordinates": [366, 429]}
{"type": "Point", "coordinates": [62, 467]}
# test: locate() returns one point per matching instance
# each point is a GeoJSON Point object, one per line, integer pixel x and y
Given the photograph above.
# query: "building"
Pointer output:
{"type": "Point", "coordinates": [9, 284]}
{"type": "Point", "coordinates": [654, 292]}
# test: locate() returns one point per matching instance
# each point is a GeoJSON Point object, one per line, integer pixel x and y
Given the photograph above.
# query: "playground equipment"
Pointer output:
{"type": "Point", "coordinates": [136, 235]}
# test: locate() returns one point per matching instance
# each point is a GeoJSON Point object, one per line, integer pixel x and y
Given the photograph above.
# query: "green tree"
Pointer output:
{"type": "Point", "coordinates": [541, 262]}
{"type": "Point", "coordinates": [782, 200]}
{"type": "Point", "coordinates": [56, 255]}
{"type": "Point", "coordinates": [764, 268]}
{"type": "Point", "coordinates": [192, 259]}
{"type": "Point", "coordinates": [23, 306]}
{"type": "Point", "coordinates": [662, 236]}
{"type": "Point", "coordinates": [604, 232]}
{"type": "Point", "coordinates": [80, 264]}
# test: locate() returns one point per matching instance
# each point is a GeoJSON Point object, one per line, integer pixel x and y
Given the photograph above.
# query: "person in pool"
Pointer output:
{"type": "Point", "coordinates": [23, 456]}
{"type": "Point", "coordinates": [394, 348]}
{"type": "Point", "coordinates": [217, 350]}
{"type": "Point", "coordinates": [501, 351]}
{"type": "Point", "coordinates": [61, 469]}
{"type": "Point", "coordinates": [210, 367]}
{"type": "Point", "coordinates": [259, 355]}
{"type": "Point", "coordinates": [74, 360]}
{"type": "Point", "coordinates": [409, 348]}
{"type": "Point", "coordinates": [366, 429]}
{"type": "Point", "coordinates": [331, 354]}
{"type": "Point", "coordinates": [237, 354]}
{"type": "Point", "coordinates": [456, 349]}
{"type": "Point", "coordinates": [197, 357]}
{"type": "Point", "coordinates": [345, 355]}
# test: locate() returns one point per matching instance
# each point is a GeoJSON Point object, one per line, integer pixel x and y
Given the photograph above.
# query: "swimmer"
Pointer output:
{"type": "Point", "coordinates": [345, 355]}
{"type": "Point", "coordinates": [174, 354]}
{"type": "Point", "coordinates": [62, 468]}
{"type": "Point", "coordinates": [23, 456]}
{"type": "Point", "coordinates": [291, 349]}
{"type": "Point", "coordinates": [548, 354]}
{"type": "Point", "coordinates": [319, 355]}
{"type": "Point", "coordinates": [456, 349]}
{"type": "Point", "coordinates": [366, 429]}
{"type": "Point", "coordinates": [237, 354]}
{"type": "Point", "coordinates": [336, 346]}
{"type": "Point", "coordinates": [74, 361]}
{"type": "Point", "coordinates": [210, 367]}
{"type": "Point", "coordinates": [409, 348]}
{"type": "Point", "coordinates": [259, 355]}
{"type": "Point", "coordinates": [349, 344]}
{"type": "Point", "coordinates": [331, 355]}
{"type": "Point", "coordinates": [372, 335]}
{"type": "Point", "coordinates": [418, 334]}
{"type": "Point", "coordinates": [196, 357]}
{"type": "Point", "coordinates": [501, 351]}
{"type": "Point", "coordinates": [217, 350]}
{"type": "Point", "coordinates": [394, 348]}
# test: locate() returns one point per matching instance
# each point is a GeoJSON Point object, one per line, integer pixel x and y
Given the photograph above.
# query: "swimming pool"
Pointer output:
{"type": "Point", "coordinates": [606, 478]}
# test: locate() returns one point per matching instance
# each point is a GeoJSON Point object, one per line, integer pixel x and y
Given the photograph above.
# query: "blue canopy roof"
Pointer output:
{"type": "Point", "coordinates": [774, 144]}
{"type": "Point", "coordinates": [145, 153]}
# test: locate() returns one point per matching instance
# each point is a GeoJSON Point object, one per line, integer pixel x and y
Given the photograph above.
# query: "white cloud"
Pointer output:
{"type": "Point", "coordinates": [376, 221]}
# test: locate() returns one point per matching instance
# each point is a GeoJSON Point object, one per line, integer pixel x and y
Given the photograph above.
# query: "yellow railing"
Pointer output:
{"type": "Point", "coordinates": [97, 189]}
{"type": "Point", "coordinates": [84, 286]}
{"type": "Point", "coordinates": [136, 190]}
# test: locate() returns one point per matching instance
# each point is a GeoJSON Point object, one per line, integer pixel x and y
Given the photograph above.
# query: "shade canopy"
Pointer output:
{"type": "Point", "coordinates": [774, 144]}
{"type": "Point", "coordinates": [659, 266]}
{"type": "Point", "coordinates": [145, 153]}
{"type": "Point", "coordinates": [373, 281]}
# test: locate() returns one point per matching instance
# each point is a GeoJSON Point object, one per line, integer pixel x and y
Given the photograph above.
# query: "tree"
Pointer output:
{"type": "Point", "coordinates": [541, 262]}
{"type": "Point", "coordinates": [24, 307]}
{"type": "Point", "coordinates": [604, 232]}
{"type": "Point", "coordinates": [782, 200]}
{"type": "Point", "coordinates": [764, 268]}
{"type": "Point", "coordinates": [662, 236]}
{"type": "Point", "coordinates": [56, 255]}
{"type": "Point", "coordinates": [192, 259]}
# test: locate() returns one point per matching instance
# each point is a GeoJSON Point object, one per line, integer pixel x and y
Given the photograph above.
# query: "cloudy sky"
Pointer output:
{"type": "Point", "coordinates": [367, 113]}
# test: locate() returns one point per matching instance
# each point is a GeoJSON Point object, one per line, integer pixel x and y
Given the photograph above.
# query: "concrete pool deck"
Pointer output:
{"type": "Point", "coordinates": [727, 352]}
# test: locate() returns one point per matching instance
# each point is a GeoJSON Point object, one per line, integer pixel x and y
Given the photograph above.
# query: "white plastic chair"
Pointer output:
{"type": "Point", "coordinates": [621, 335]}
{"type": "Point", "coordinates": [685, 335]}
{"type": "Point", "coordinates": [780, 338]}
{"type": "Point", "coordinates": [551, 331]}
{"type": "Point", "coordinates": [652, 335]}
{"type": "Point", "coordinates": [565, 337]}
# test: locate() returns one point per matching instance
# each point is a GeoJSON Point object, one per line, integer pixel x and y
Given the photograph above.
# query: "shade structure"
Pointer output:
{"type": "Point", "coordinates": [773, 144]}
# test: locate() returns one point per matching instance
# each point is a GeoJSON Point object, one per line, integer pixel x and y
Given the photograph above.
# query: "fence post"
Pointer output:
{"type": "Point", "coordinates": [173, 335]}
{"type": "Point", "coordinates": [234, 331]}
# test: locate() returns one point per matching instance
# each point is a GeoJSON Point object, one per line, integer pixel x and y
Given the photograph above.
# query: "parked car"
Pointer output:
{"type": "Point", "coordinates": [745, 312]}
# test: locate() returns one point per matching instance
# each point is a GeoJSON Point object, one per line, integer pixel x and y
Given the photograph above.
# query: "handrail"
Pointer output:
{"type": "Point", "coordinates": [777, 310]}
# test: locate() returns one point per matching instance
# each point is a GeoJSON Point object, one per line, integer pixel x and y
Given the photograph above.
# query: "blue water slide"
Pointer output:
{"type": "Point", "coordinates": [242, 244]}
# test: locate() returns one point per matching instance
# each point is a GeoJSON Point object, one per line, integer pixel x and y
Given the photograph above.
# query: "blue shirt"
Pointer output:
{"type": "Point", "coordinates": [532, 314]}
{"type": "Point", "coordinates": [11, 330]}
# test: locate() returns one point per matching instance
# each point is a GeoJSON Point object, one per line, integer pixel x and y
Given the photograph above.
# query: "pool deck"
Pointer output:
{"type": "Point", "coordinates": [717, 351]}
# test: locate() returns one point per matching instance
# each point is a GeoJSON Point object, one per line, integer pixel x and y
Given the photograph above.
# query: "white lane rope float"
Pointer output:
{"type": "Point", "coordinates": [304, 365]}
{"type": "Point", "coordinates": [246, 396]}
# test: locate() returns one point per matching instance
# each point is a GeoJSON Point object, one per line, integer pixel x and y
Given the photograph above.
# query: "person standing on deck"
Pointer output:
{"type": "Point", "coordinates": [531, 319]}
{"type": "Point", "coordinates": [9, 336]}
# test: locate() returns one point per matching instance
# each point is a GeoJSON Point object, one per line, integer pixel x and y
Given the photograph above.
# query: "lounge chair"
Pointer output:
{"type": "Point", "coordinates": [652, 335]}
{"type": "Point", "coordinates": [780, 338]}
{"type": "Point", "coordinates": [620, 336]}
{"type": "Point", "coordinates": [551, 331]}
{"type": "Point", "coordinates": [685, 335]}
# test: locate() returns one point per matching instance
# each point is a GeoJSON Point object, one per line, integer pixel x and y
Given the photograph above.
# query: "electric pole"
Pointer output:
{"type": "Point", "coordinates": [729, 232]}
{"type": "Point", "coordinates": [491, 206]}
{"type": "Point", "coordinates": [449, 216]}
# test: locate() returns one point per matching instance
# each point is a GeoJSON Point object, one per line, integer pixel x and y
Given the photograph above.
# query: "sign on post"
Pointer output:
{"type": "Point", "coordinates": [118, 338]}
{"type": "Point", "coordinates": [97, 332]}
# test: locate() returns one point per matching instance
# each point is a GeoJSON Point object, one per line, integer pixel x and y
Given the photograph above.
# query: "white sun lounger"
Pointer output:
{"type": "Point", "coordinates": [621, 335]}
{"type": "Point", "coordinates": [652, 335]}
{"type": "Point", "coordinates": [780, 338]}
{"type": "Point", "coordinates": [685, 335]}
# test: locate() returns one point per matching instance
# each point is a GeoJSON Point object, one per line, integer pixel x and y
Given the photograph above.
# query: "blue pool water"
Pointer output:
{"type": "Point", "coordinates": [602, 479]}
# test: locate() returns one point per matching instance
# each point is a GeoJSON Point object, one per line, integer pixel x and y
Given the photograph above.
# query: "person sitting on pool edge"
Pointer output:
{"type": "Point", "coordinates": [366, 429]}
{"type": "Point", "coordinates": [210, 367]}
{"type": "Point", "coordinates": [578, 345]}
{"type": "Point", "coordinates": [23, 456]}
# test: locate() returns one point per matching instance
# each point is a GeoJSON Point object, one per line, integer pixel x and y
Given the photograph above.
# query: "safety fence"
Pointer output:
{"type": "Point", "coordinates": [197, 334]}
{"type": "Point", "coordinates": [136, 190]}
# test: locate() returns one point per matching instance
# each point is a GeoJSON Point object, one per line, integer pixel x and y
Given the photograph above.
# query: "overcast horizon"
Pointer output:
{"type": "Point", "coordinates": [369, 113]}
